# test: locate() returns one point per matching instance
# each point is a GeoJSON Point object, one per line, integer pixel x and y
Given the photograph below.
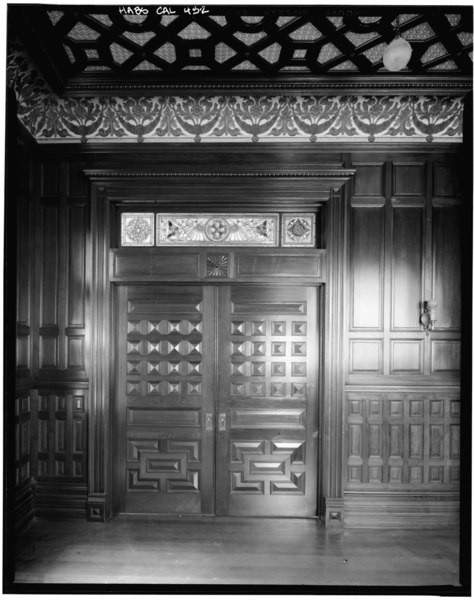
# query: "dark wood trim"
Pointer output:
{"type": "Point", "coordinates": [336, 175]}
{"type": "Point", "coordinates": [105, 186]}
{"type": "Point", "coordinates": [24, 511]}
{"type": "Point", "coordinates": [315, 85]}
{"type": "Point", "coordinates": [60, 499]}
{"type": "Point", "coordinates": [289, 156]}
{"type": "Point", "coordinates": [130, 265]}
{"type": "Point", "coordinates": [98, 500]}
{"type": "Point", "coordinates": [332, 450]}
{"type": "Point", "coordinates": [422, 509]}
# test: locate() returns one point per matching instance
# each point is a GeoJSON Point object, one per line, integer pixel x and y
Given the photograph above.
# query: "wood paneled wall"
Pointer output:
{"type": "Point", "coordinates": [402, 406]}
{"type": "Point", "coordinates": [404, 248]}
{"type": "Point", "coordinates": [19, 242]}
{"type": "Point", "coordinates": [60, 409]}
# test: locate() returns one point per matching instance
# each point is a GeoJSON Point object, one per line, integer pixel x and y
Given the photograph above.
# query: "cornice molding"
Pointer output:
{"type": "Point", "coordinates": [112, 173]}
{"type": "Point", "coordinates": [380, 86]}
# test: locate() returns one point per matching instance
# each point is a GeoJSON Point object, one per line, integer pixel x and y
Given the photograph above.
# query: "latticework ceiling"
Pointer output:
{"type": "Point", "coordinates": [104, 48]}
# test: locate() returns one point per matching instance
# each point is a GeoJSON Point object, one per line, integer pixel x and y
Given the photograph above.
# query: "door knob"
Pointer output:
{"type": "Point", "coordinates": [222, 422]}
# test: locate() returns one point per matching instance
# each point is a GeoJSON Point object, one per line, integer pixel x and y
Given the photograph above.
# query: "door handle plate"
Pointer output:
{"type": "Point", "coordinates": [209, 421]}
{"type": "Point", "coordinates": [222, 422]}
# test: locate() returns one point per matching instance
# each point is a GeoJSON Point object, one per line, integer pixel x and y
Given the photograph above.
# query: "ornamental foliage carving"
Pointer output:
{"type": "Point", "coordinates": [217, 230]}
{"type": "Point", "coordinates": [373, 118]}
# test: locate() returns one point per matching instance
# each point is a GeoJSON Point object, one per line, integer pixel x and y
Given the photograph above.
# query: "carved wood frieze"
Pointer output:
{"type": "Point", "coordinates": [238, 118]}
{"type": "Point", "coordinates": [217, 230]}
{"type": "Point", "coordinates": [298, 230]}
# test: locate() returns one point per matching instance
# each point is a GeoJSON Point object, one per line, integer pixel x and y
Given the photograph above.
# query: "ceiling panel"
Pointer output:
{"type": "Point", "coordinates": [98, 45]}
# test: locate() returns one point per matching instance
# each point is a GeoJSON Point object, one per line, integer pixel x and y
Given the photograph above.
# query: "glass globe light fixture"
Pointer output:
{"type": "Point", "coordinates": [397, 54]}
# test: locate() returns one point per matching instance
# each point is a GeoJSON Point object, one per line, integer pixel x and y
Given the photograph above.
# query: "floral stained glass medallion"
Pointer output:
{"type": "Point", "coordinates": [217, 230]}
{"type": "Point", "coordinates": [138, 229]}
{"type": "Point", "coordinates": [298, 230]}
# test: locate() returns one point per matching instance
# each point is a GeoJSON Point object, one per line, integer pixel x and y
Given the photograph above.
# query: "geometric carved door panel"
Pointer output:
{"type": "Point", "coordinates": [217, 415]}
{"type": "Point", "coordinates": [165, 453]}
{"type": "Point", "coordinates": [268, 376]}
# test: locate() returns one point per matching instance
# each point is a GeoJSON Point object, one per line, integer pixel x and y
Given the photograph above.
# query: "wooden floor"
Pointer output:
{"type": "Point", "coordinates": [212, 551]}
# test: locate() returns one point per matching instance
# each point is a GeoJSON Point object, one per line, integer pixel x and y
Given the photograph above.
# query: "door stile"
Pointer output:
{"type": "Point", "coordinates": [209, 392]}
{"type": "Point", "coordinates": [120, 304]}
{"type": "Point", "coordinates": [313, 391]}
{"type": "Point", "coordinates": [222, 402]}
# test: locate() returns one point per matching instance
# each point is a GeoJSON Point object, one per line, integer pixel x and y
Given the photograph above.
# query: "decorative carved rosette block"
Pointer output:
{"type": "Point", "coordinates": [298, 230]}
{"type": "Point", "coordinates": [138, 229]}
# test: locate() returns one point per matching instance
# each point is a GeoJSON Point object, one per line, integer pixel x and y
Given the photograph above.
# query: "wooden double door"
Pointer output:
{"type": "Point", "coordinates": [216, 399]}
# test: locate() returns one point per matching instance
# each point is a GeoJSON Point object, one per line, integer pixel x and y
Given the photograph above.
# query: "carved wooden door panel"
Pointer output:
{"type": "Point", "coordinates": [217, 399]}
{"type": "Point", "coordinates": [165, 399]}
{"type": "Point", "coordinates": [268, 376]}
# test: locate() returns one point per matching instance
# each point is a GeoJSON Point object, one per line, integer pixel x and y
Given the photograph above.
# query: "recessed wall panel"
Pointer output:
{"type": "Point", "coordinates": [366, 356]}
{"type": "Point", "coordinates": [408, 179]}
{"type": "Point", "coordinates": [163, 417]}
{"type": "Point", "coordinates": [406, 356]}
{"type": "Point", "coordinates": [445, 355]}
{"type": "Point", "coordinates": [75, 352]}
{"type": "Point", "coordinates": [407, 267]}
{"type": "Point", "coordinates": [143, 264]}
{"type": "Point", "coordinates": [369, 179]}
{"type": "Point", "coordinates": [447, 266]}
{"type": "Point", "coordinates": [268, 419]}
{"type": "Point", "coordinates": [278, 265]}
{"type": "Point", "coordinates": [23, 261]}
{"type": "Point", "coordinates": [446, 180]}
{"type": "Point", "coordinates": [50, 265]}
{"type": "Point", "coordinates": [367, 255]}
{"type": "Point", "coordinates": [76, 271]}
{"type": "Point", "coordinates": [48, 352]}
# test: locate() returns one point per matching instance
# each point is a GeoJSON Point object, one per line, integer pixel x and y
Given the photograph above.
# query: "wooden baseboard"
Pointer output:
{"type": "Point", "coordinates": [58, 499]}
{"type": "Point", "coordinates": [23, 509]}
{"type": "Point", "coordinates": [401, 510]}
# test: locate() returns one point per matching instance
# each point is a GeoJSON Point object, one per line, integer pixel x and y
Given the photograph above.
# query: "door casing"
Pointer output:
{"type": "Point", "coordinates": [309, 191]}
